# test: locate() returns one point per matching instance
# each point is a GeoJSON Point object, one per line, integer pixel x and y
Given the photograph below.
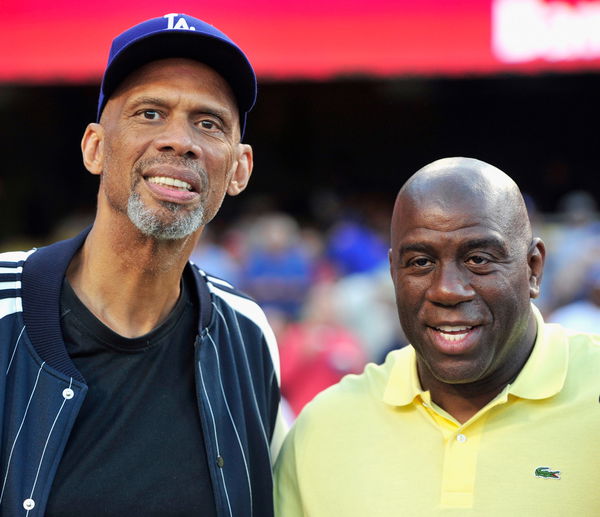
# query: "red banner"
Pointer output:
{"type": "Point", "coordinates": [68, 40]}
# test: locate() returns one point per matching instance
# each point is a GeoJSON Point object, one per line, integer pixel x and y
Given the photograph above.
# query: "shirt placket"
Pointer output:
{"type": "Point", "coordinates": [461, 451]}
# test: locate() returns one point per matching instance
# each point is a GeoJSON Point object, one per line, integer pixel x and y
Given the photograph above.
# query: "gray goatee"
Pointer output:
{"type": "Point", "coordinates": [152, 224]}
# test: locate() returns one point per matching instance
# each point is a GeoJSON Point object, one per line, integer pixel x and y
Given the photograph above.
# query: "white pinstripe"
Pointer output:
{"type": "Point", "coordinates": [234, 426]}
{"type": "Point", "coordinates": [19, 431]}
{"type": "Point", "coordinates": [14, 350]}
{"type": "Point", "coordinates": [212, 415]}
{"type": "Point", "coordinates": [46, 445]}
{"type": "Point", "coordinates": [262, 427]}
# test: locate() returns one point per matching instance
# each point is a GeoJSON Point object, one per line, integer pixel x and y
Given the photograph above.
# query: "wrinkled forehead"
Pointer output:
{"type": "Point", "coordinates": [447, 214]}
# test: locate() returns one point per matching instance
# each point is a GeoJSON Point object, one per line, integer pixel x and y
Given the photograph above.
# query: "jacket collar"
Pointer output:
{"type": "Point", "coordinates": [43, 274]}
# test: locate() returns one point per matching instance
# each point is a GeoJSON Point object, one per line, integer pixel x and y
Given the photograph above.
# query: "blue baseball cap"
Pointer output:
{"type": "Point", "coordinates": [180, 35]}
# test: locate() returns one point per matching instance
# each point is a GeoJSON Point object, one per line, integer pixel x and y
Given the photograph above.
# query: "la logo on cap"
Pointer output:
{"type": "Point", "coordinates": [181, 23]}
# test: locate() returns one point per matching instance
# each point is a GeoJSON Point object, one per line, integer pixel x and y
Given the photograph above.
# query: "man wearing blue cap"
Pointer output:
{"type": "Point", "coordinates": [135, 383]}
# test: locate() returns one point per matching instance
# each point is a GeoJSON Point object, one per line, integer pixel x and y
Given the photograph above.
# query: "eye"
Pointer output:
{"type": "Point", "coordinates": [420, 262]}
{"type": "Point", "coordinates": [150, 114]}
{"type": "Point", "coordinates": [207, 124]}
{"type": "Point", "coordinates": [478, 260]}
{"type": "Point", "coordinates": [210, 124]}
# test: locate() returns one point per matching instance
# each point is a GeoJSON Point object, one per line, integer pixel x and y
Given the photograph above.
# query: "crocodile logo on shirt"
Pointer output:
{"type": "Point", "coordinates": [546, 473]}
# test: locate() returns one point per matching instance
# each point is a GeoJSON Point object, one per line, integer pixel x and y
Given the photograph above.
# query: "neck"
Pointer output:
{"type": "Point", "coordinates": [129, 281]}
{"type": "Point", "coordinates": [463, 401]}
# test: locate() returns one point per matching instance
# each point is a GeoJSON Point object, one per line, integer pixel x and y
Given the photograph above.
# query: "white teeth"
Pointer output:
{"type": "Point", "coordinates": [453, 333]}
{"type": "Point", "coordinates": [448, 328]}
{"type": "Point", "coordinates": [453, 337]}
{"type": "Point", "coordinates": [171, 182]}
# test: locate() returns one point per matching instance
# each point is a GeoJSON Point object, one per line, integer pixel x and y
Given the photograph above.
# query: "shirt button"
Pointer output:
{"type": "Point", "coordinates": [220, 461]}
{"type": "Point", "coordinates": [425, 404]}
{"type": "Point", "coordinates": [28, 504]}
{"type": "Point", "coordinates": [68, 393]}
{"type": "Point", "coordinates": [461, 438]}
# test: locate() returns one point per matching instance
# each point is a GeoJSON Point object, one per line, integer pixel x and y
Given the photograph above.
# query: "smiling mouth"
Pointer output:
{"type": "Point", "coordinates": [171, 183]}
{"type": "Point", "coordinates": [453, 333]}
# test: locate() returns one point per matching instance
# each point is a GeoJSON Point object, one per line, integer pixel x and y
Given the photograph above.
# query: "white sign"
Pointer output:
{"type": "Point", "coordinates": [524, 30]}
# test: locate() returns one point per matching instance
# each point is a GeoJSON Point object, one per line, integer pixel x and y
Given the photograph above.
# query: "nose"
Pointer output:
{"type": "Point", "coordinates": [177, 136]}
{"type": "Point", "coordinates": [450, 286]}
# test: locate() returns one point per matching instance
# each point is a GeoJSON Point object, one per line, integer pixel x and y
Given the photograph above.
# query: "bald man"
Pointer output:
{"type": "Point", "coordinates": [489, 411]}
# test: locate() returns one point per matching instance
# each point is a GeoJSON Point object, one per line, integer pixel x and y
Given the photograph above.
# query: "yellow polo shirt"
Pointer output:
{"type": "Point", "coordinates": [376, 445]}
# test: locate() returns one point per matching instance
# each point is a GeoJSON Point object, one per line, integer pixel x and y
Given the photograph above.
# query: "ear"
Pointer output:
{"type": "Point", "coordinates": [535, 259]}
{"type": "Point", "coordinates": [243, 170]}
{"type": "Point", "coordinates": [92, 148]}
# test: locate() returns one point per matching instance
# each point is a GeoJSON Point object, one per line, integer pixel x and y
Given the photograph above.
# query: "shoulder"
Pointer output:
{"type": "Point", "coordinates": [238, 316]}
{"type": "Point", "coordinates": [583, 344]}
{"type": "Point", "coordinates": [333, 430]}
{"type": "Point", "coordinates": [14, 259]}
{"type": "Point", "coordinates": [356, 397]}
{"type": "Point", "coordinates": [227, 297]}
{"type": "Point", "coordinates": [579, 342]}
{"type": "Point", "coordinates": [11, 270]}
{"type": "Point", "coordinates": [581, 348]}
{"type": "Point", "coordinates": [11, 265]}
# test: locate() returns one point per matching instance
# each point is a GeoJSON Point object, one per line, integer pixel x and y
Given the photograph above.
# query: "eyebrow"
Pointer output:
{"type": "Point", "coordinates": [157, 101]}
{"type": "Point", "coordinates": [418, 247]}
{"type": "Point", "coordinates": [486, 242]}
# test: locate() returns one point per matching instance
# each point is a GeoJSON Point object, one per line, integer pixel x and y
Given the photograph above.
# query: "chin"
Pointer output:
{"type": "Point", "coordinates": [169, 223]}
{"type": "Point", "coordinates": [458, 374]}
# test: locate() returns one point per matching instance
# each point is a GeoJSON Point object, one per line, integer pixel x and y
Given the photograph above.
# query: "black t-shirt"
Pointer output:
{"type": "Point", "coordinates": [137, 447]}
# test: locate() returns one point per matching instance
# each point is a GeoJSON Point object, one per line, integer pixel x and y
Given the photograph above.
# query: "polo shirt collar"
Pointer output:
{"type": "Point", "coordinates": [542, 376]}
{"type": "Point", "coordinates": [545, 371]}
{"type": "Point", "coordinates": [403, 384]}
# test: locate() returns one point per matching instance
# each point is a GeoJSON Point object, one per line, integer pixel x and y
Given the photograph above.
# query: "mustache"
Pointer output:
{"type": "Point", "coordinates": [180, 162]}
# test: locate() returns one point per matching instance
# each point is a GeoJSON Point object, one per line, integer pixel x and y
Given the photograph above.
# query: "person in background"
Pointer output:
{"type": "Point", "coordinates": [135, 384]}
{"type": "Point", "coordinates": [215, 257]}
{"type": "Point", "coordinates": [489, 410]}
{"type": "Point", "coordinates": [582, 314]}
{"type": "Point", "coordinates": [317, 351]}
{"type": "Point", "coordinates": [278, 269]}
{"type": "Point", "coordinates": [574, 248]}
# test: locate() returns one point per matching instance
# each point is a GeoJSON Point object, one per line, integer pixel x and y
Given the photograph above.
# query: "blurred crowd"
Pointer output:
{"type": "Point", "coordinates": [327, 293]}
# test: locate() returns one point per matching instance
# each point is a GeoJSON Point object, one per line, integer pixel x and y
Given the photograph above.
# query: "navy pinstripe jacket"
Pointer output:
{"type": "Point", "coordinates": [41, 391]}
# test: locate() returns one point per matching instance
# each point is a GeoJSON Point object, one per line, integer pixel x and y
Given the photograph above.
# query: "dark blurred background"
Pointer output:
{"type": "Point", "coordinates": [356, 138]}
